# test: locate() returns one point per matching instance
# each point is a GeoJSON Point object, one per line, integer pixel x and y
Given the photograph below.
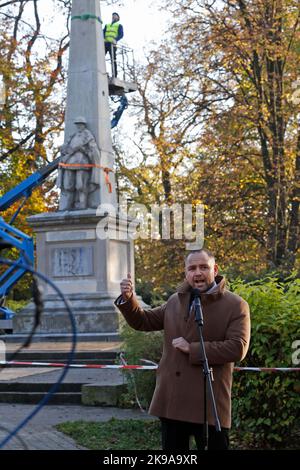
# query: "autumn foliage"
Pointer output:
{"type": "Point", "coordinates": [216, 122]}
{"type": "Point", "coordinates": [219, 111]}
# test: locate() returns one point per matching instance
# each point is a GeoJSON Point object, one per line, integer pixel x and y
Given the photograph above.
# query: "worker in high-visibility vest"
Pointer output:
{"type": "Point", "coordinates": [113, 32]}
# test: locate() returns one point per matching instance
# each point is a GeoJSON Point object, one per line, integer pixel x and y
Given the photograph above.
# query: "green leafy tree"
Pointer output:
{"type": "Point", "coordinates": [218, 124]}
{"type": "Point", "coordinates": [32, 115]}
{"type": "Point", "coordinates": [246, 54]}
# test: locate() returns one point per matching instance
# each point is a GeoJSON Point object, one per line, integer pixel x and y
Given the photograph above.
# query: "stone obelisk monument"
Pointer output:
{"type": "Point", "coordinates": [87, 93]}
{"type": "Point", "coordinates": [87, 269]}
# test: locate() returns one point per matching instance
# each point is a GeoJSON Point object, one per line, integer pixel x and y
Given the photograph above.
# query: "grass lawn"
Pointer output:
{"type": "Point", "coordinates": [138, 434]}
{"type": "Point", "coordinates": [115, 434]}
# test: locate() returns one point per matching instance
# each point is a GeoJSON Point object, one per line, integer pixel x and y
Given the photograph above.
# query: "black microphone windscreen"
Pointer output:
{"type": "Point", "coordinates": [196, 292]}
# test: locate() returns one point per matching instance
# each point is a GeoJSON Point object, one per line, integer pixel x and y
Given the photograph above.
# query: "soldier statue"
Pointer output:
{"type": "Point", "coordinates": [79, 170]}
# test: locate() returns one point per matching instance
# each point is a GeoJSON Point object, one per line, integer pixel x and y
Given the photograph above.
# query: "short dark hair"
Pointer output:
{"type": "Point", "coordinates": [202, 250]}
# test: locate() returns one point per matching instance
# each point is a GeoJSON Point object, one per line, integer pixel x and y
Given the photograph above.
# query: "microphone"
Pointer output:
{"type": "Point", "coordinates": [197, 306]}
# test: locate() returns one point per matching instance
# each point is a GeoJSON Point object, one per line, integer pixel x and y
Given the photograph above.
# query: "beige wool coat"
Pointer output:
{"type": "Point", "coordinates": [179, 379]}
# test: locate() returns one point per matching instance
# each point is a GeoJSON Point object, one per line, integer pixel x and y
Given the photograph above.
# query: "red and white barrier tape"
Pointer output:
{"type": "Point", "coordinates": [267, 369]}
{"type": "Point", "coordinates": [137, 367]}
{"type": "Point", "coordinates": [76, 366]}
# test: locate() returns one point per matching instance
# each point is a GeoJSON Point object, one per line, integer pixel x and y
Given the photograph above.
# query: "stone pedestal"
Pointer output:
{"type": "Point", "coordinates": [87, 269]}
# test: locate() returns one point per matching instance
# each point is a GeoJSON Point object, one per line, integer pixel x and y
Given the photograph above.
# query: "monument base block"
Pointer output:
{"type": "Point", "coordinates": [87, 269]}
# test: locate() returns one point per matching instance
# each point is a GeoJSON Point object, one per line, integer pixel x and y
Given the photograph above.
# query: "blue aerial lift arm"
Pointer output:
{"type": "Point", "coordinates": [12, 237]}
{"type": "Point", "coordinates": [24, 189]}
{"type": "Point", "coordinates": [118, 113]}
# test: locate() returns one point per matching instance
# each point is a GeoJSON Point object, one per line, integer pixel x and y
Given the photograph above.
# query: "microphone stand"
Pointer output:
{"type": "Point", "coordinates": [207, 374]}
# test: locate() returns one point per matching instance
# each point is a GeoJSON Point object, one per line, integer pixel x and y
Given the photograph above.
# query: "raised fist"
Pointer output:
{"type": "Point", "coordinates": [126, 287]}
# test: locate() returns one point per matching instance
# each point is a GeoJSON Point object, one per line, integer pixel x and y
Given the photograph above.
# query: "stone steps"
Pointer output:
{"type": "Point", "coordinates": [84, 357]}
{"type": "Point", "coordinates": [32, 398]}
{"type": "Point", "coordinates": [107, 338]}
{"type": "Point", "coordinates": [81, 386]}
{"type": "Point", "coordinates": [31, 387]}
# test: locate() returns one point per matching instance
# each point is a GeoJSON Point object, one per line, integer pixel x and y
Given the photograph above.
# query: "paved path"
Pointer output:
{"type": "Point", "coordinates": [40, 433]}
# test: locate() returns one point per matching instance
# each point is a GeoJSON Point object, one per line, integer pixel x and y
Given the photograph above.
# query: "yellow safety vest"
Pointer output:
{"type": "Point", "coordinates": [111, 32]}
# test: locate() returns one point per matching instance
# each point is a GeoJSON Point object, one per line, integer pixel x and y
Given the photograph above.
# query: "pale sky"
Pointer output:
{"type": "Point", "coordinates": [141, 19]}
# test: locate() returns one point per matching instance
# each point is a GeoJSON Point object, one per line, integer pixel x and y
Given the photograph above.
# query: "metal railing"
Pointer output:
{"type": "Point", "coordinates": [120, 63]}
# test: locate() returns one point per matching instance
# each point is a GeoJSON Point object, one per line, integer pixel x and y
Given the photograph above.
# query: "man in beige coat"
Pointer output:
{"type": "Point", "coordinates": [179, 392]}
